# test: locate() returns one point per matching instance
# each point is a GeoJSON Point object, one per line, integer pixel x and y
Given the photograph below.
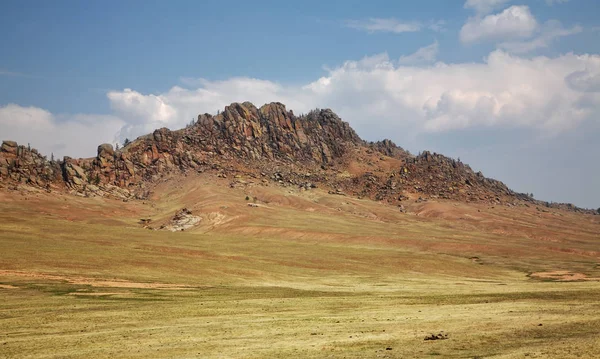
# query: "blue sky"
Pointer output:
{"type": "Point", "coordinates": [511, 87]}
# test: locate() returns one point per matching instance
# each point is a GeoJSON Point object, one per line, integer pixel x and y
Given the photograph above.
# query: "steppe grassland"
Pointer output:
{"type": "Point", "coordinates": [309, 275]}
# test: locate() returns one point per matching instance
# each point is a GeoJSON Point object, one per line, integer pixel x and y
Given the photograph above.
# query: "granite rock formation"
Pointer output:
{"type": "Point", "coordinates": [313, 150]}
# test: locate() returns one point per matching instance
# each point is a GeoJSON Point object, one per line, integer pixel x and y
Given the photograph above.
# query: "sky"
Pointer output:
{"type": "Point", "coordinates": [510, 87]}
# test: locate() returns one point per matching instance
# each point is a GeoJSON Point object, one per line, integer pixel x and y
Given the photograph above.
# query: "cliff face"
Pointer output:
{"type": "Point", "coordinates": [268, 142]}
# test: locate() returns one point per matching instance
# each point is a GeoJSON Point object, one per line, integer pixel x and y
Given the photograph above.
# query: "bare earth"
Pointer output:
{"type": "Point", "coordinates": [86, 281]}
{"type": "Point", "coordinates": [563, 276]}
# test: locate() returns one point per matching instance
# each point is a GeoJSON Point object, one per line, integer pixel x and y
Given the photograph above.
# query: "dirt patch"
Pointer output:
{"type": "Point", "coordinates": [7, 286]}
{"type": "Point", "coordinates": [217, 218]}
{"type": "Point", "coordinates": [562, 276]}
{"type": "Point", "coordinates": [94, 282]}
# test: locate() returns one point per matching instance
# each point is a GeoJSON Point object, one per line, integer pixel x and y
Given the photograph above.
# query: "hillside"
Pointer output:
{"type": "Point", "coordinates": [269, 271]}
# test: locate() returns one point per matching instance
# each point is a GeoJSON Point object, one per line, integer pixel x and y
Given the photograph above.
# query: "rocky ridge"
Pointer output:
{"type": "Point", "coordinates": [270, 143]}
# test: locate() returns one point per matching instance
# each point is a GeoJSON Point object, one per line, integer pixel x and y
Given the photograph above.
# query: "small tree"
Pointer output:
{"type": "Point", "coordinates": [11, 166]}
{"type": "Point", "coordinates": [97, 179]}
{"type": "Point", "coordinates": [117, 147]}
{"type": "Point", "coordinates": [598, 210]}
{"type": "Point", "coordinates": [52, 157]}
{"type": "Point", "coordinates": [126, 142]}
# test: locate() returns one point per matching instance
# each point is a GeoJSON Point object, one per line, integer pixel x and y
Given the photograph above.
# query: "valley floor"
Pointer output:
{"type": "Point", "coordinates": [303, 274]}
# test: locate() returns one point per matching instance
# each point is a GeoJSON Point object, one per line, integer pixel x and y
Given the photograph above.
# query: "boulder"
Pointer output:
{"type": "Point", "coordinates": [74, 173]}
{"type": "Point", "coordinates": [161, 135]}
{"type": "Point", "coordinates": [106, 151]}
{"type": "Point", "coordinates": [78, 181]}
{"type": "Point", "coordinates": [9, 147]}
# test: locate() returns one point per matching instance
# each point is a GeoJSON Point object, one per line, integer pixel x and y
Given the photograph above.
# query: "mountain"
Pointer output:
{"type": "Point", "coordinates": [259, 233]}
{"type": "Point", "coordinates": [269, 144]}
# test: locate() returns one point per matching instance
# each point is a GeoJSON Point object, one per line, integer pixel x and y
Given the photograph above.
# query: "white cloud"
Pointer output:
{"type": "Point", "coordinates": [483, 7]}
{"type": "Point", "coordinates": [542, 93]}
{"type": "Point", "coordinates": [25, 117]}
{"type": "Point", "coordinates": [74, 135]}
{"type": "Point", "coordinates": [552, 2]}
{"type": "Point", "coordinates": [178, 106]}
{"type": "Point", "coordinates": [551, 31]}
{"type": "Point", "coordinates": [140, 108]}
{"type": "Point", "coordinates": [513, 23]}
{"type": "Point", "coordinates": [426, 54]}
{"type": "Point", "coordinates": [505, 91]}
{"type": "Point", "coordinates": [515, 30]}
{"type": "Point", "coordinates": [384, 25]}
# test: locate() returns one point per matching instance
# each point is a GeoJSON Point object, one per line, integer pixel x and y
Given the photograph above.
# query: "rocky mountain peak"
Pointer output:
{"type": "Point", "coordinates": [271, 142]}
{"type": "Point", "coordinates": [273, 132]}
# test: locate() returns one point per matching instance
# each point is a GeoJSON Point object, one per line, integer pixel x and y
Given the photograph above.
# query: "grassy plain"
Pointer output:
{"type": "Point", "coordinates": [306, 274]}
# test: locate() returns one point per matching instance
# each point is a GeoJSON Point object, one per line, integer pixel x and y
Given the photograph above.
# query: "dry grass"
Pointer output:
{"type": "Point", "coordinates": [305, 275]}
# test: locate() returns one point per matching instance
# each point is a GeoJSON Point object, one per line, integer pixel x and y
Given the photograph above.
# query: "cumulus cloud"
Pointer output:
{"type": "Point", "coordinates": [551, 31]}
{"type": "Point", "coordinates": [426, 54]}
{"type": "Point", "coordinates": [515, 22]}
{"type": "Point", "coordinates": [505, 91]}
{"type": "Point", "coordinates": [515, 30]}
{"type": "Point", "coordinates": [180, 105]}
{"type": "Point", "coordinates": [74, 135]}
{"type": "Point", "coordinates": [541, 93]}
{"type": "Point", "coordinates": [378, 96]}
{"type": "Point", "coordinates": [483, 7]}
{"type": "Point", "coordinates": [138, 108]}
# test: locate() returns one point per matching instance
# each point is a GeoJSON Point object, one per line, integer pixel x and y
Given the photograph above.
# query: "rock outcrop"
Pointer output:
{"type": "Point", "coordinates": [444, 177]}
{"type": "Point", "coordinates": [24, 165]}
{"type": "Point", "coordinates": [182, 220]}
{"type": "Point", "coordinates": [305, 151]}
{"type": "Point", "coordinates": [273, 132]}
{"type": "Point", "coordinates": [389, 148]}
